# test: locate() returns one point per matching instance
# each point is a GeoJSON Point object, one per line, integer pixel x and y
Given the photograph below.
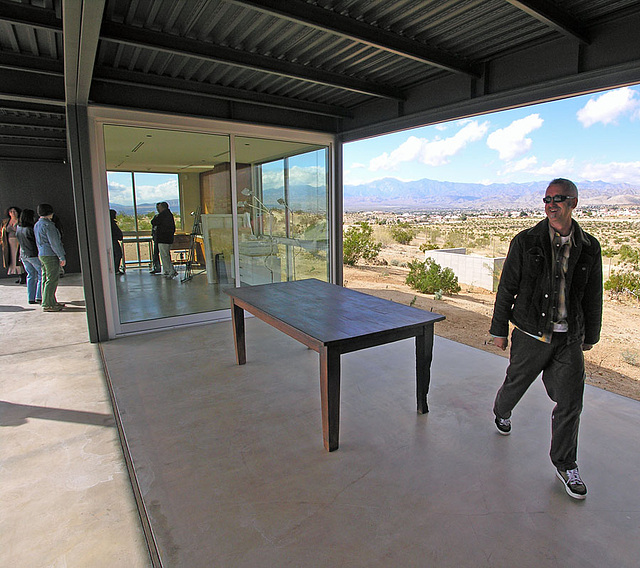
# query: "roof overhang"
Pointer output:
{"type": "Point", "coordinates": [355, 68]}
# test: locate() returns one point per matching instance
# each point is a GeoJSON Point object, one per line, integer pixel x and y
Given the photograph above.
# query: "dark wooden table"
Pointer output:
{"type": "Point", "coordinates": [333, 320]}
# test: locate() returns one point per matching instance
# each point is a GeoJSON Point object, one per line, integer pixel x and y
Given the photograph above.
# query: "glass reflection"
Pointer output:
{"type": "Point", "coordinates": [279, 211]}
{"type": "Point", "coordinates": [282, 205]}
{"type": "Point", "coordinates": [190, 172]}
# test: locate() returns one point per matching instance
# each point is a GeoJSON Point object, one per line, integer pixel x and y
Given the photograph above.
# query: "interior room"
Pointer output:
{"type": "Point", "coordinates": [270, 204]}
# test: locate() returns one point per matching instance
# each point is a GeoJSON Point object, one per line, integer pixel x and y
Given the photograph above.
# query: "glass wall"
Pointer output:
{"type": "Point", "coordinates": [268, 198]}
{"type": "Point", "coordinates": [282, 208]}
{"type": "Point", "coordinates": [190, 173]}
{"type": "Point", "coordinates": [133, 196]}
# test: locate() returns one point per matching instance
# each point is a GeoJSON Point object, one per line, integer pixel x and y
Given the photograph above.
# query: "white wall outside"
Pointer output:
{"type": "Point", "coordinates": [471, 269]}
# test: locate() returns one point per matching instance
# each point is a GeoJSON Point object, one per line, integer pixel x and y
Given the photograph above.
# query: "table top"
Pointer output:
{"type": "Point", "coordinates": [328, 312]}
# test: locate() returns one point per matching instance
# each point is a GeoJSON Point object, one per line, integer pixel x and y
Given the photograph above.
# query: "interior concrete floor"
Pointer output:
{"type": "Point", "coordinates": [144, 296]}
{"type": "Point", "coordinates": [231, 469]}
{"type": "Point", "coordinates": [65, 492]}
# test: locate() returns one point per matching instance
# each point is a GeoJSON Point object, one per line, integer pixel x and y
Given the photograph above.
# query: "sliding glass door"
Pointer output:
{"type": "Point", "coordinates": [247, 210]}
{"type": "Point", "coordinates": [282, 209]}
{"type": "Point", "coordinates": [188, 173]}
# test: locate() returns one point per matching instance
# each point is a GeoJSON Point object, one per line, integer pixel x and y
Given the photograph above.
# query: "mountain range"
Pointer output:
{"type": "Point", "coordinates": [394, 194]}
{"type": "Point", "coordinates": [391, 193]}
{"type": "Point", "coordinates": [143, 208]}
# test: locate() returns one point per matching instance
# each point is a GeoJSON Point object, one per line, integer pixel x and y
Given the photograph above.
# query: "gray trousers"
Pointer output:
{"type": "Point", "coordinates": [165, 259]}
{"type": "Point", "coordinates": [562, 368]}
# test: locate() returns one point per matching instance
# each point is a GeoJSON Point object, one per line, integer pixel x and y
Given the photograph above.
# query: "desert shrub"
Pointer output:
{"type": "Point", "coordinates": [623, 282]}
{"type": "Point", "coordinates": [358, 243]}
{"type": "Point", "coordinates": [630, 255]}
{"type": "Point", "coordinates": [428, 246]}
{"type": "Point", "coordinates": [630, 356]}
{"type": "Point", "coordinates": [429, 277]}
{"type": "Point", "coordinates": [403, 233]}
{"type": "Point", "coordinates": [455, 239]}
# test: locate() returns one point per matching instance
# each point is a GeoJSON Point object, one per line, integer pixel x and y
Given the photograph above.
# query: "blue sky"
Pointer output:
{"type": "Point", "coordinates": [590, 137]}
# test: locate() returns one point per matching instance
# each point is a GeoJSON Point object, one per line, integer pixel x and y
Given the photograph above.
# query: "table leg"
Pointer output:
{"type": "Point", "coordinates": [237, 319]}
{"type": "Point", "coordinates": [424, 355]}
{"type": "Point", "coordinates": [330, 396]}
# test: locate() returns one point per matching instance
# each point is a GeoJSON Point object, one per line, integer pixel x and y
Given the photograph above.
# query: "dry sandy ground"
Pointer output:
{"type": "Point", "coordinates": [613, 364]}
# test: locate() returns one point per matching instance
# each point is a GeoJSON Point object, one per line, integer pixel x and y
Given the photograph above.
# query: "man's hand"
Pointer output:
{"type": "Point", "coordinates": [63, 262]}
{"type": "Point", "coordinates": [586, 346]}
{"type": "Point", "coordinates": [501, 342]}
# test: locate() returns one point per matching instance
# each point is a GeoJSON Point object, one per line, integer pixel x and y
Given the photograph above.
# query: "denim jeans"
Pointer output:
{"type": "Point", "coordinates": [34, 277]}
{"type": "Point", "coordinates": [562, 367]}
{"type": "Point", "coordinates": [50, 277]}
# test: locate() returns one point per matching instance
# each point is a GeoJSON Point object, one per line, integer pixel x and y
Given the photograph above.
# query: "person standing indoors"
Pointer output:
{"type": "Point", "coordinates": [155, 258]}
{"type": "Point", "coordinates": [58, 223]}
{"type": "Point", "coordinates": [10, 244]}
{"type": "Point", "coordinates": [52, 257]}
{"type": "Point", "coordinates": [551, 290]}
{"type": "Point", "coordinates": [29, 255]}
{"type": "Point", "coordinates": [165, 228]}
{"type": "Point", "coordinates": [116, 237]}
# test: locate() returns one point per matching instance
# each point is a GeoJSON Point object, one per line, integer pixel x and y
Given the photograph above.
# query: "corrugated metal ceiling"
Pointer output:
{"type": "Point", "coordinates": [327, 57]}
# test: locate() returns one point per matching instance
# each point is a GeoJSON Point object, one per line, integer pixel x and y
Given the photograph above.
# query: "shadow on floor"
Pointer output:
{"type": "Point", "coordinates": [16, 414]}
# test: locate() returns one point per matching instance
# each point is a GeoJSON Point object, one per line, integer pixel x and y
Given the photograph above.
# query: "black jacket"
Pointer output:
{"type": "Point", "coordinates": [164, 226]}
{"type": "Point", "coordinates": [27, 240]}
{"type": "Point", "coordinates": [525, 293]}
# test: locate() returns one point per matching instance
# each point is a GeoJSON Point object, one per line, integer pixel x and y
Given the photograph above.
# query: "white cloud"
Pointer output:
{"type": "Point", "coordinates": [434, 152]}
{"type": "Point", "coordinates": [607, 108]}
{"type": "Point", "coordinates": [154, 193]}
{"type": "Point", "coordinates": [628, 172]}
{"type": "Point", "coordinates": [357, 166]}
{"type": "Point", "coordinates": [512, 140]}
{"type": "Point", "coordinates": [314, 176]}
{"type": "Point", "coordinates": [560, 168]}
{"type": "Point", "coordinates": [120, 193]}
{"type": "Point", "coordinates": [525, 164]}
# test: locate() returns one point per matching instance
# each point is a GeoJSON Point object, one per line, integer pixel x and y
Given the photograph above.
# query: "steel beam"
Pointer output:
{"type": "Point", "coordinates": [328, 21]}
{"type": "Point", "coordinates": [175, 45]}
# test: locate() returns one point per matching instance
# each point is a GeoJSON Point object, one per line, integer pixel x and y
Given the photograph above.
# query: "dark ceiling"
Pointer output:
{"type": "Point", "coordinates": [351, 67]}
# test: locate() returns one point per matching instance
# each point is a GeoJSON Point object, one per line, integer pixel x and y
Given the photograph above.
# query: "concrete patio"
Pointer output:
{"type": "Point", "coordinates": [230, 469]}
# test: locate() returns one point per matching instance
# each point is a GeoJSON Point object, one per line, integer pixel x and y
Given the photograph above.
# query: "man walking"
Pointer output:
{"type": "Point", "coordinates": [551, 290]}
{"type": "Point", "coordinates": [52, 256]}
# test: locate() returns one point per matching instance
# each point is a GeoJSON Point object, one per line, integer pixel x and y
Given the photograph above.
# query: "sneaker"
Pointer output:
{"type": "Point", "coordinates": [52, 309]}
{"type": "Point", "coordinates": [503, 425]}
{"type": "Point", "coordinates": [155, 271]}
{"type": "Point", "coordinates": [572, 483]}
{"type": "Point", "coordinates": [172, 275]}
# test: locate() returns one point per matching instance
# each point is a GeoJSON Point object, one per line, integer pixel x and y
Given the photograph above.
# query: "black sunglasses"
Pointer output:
{"type": "Point", "coordinates": [556, 198]}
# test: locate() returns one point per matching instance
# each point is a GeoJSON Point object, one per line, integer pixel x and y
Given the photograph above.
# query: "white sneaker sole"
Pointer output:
{"type": "Point", "coordinates": [568, 490]}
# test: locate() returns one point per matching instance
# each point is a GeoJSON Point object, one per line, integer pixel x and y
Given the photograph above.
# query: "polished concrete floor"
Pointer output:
{"type": "Point", "coordinates": [65, 494]}
{"type": "Point", "coordinates": [143, 296]}
{"type": "Point", "coordinates": [232, 472]}
{"type": "Point", "coordinates": [230, 469]}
